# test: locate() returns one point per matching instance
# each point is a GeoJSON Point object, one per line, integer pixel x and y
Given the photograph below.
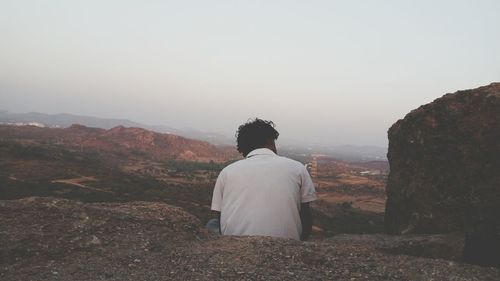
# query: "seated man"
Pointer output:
{"type": "Point", "coordinates": [263, 194]}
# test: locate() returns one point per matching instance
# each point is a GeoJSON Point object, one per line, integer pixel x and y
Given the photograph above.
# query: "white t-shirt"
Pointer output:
{"type": "Point", "coordinates": [261, 195]}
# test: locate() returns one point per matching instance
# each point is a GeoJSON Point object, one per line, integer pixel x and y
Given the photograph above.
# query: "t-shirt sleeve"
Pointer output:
{"type": "Point", "coordinates": [218, 190]}
{"type": "Point", "coordinates": [307, 190]}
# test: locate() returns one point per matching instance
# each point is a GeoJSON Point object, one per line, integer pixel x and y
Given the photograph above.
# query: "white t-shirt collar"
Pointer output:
{"type": "Point", "coordinates": [260, 151]}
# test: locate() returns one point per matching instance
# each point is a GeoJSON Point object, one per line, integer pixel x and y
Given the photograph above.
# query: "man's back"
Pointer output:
{"type": "Point", "coordinates": [262, 195]}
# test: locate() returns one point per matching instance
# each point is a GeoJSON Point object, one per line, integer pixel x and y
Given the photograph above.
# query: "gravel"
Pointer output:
{"type": "Point", "coordinates": [57, 239]}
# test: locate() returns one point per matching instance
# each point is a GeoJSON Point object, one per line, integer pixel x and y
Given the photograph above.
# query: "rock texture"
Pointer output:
{"type": "Point", "coordinates": [57, 239]}
{"type": "Point", "coordinates": [445, 171]}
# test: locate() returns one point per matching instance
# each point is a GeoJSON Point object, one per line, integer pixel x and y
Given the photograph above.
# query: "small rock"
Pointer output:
{"type": "Point", "coordinates": [95, 240]}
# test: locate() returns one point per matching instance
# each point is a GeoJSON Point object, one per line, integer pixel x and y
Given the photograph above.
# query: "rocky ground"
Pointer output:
{"type": "Point", "coordinates": [58, 239]}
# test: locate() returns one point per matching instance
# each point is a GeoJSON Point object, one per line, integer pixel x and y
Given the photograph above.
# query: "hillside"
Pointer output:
{"type": "Point", "coordinates": [97, 165]}
{"type": "Point", "coordinates": [119, 140]}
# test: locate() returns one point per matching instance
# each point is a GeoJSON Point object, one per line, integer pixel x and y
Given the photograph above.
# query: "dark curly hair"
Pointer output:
{"type": "Point", "coordinates": [256, 133]}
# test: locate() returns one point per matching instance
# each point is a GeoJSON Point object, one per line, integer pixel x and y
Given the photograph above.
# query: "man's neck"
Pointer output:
{"type": "Point", "coordinates": [272, 147]}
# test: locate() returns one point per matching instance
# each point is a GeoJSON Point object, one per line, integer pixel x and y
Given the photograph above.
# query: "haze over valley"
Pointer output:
{"type": "Point", "coordinates": [286, 145]}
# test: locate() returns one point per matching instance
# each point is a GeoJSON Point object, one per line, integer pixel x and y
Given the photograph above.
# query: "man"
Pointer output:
{"type": "Point", "coordinates": [263, 194]}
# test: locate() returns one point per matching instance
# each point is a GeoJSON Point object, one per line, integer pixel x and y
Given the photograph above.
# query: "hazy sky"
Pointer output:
{"type": "Point", "coordinates": [328, 71]}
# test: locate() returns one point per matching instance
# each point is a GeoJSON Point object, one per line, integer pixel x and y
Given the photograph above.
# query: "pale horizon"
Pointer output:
{"type": "Point", "coordinates": [338, 72]}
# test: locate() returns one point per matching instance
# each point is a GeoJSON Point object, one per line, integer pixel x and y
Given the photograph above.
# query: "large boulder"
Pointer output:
{"type": "Point", "coordinates": [445, 171]}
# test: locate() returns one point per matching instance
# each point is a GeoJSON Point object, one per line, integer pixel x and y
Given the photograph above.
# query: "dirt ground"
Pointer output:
{"type": "Point", "coordinates": [59, 239]}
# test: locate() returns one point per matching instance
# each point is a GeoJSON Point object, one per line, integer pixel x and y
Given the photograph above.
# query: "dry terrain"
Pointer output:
{"type": "Point", "coordinates": [58, 239]}
{"type": "Point", "coordinates": [121, 165]}
{"type": "Point", "coordinates": [105, 213]}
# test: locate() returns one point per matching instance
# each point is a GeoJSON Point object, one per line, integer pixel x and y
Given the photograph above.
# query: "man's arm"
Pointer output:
{"type": "Point", "coordinates": [308, 194]}
{"type": "Point", "coordinates": [216, 213]}
{"type": "Point", "coordinates": [217, 197]}
{"type": "Point", "coordinates": [306, 220]}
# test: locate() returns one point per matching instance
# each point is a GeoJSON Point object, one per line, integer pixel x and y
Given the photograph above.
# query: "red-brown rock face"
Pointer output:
{"type": "Point", "coordinates": [445, 171]}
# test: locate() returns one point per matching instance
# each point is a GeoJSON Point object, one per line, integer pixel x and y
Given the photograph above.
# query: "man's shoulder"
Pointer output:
{"type": "Point", "coordinates": [291, 163]}
{"type": "Point", "coordinates": [281, 159]}
{"type": "Point", "coordinates": [234, 165]}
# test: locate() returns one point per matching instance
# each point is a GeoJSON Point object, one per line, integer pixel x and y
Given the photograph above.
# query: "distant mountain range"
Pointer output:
{"type": "Point", "coordinates": [65, 120]}
{"type": "Point", "coordinates": [287, 146]}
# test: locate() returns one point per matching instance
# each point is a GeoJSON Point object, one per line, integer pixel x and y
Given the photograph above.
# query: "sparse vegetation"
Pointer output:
{"type": "Point", "coordinates": [186, 167]}
{"type": "Point", "coordinates": [39, 168]}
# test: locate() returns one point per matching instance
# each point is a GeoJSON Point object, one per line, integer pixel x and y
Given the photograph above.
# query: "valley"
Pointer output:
{"type": "Point", "coordinates": [131, 164]}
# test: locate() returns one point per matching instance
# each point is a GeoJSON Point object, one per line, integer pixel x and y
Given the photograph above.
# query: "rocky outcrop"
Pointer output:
{"type": "Point", "coordinates": [445, 171]}
{"type": "Point", "coordinates": [57, 239]}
